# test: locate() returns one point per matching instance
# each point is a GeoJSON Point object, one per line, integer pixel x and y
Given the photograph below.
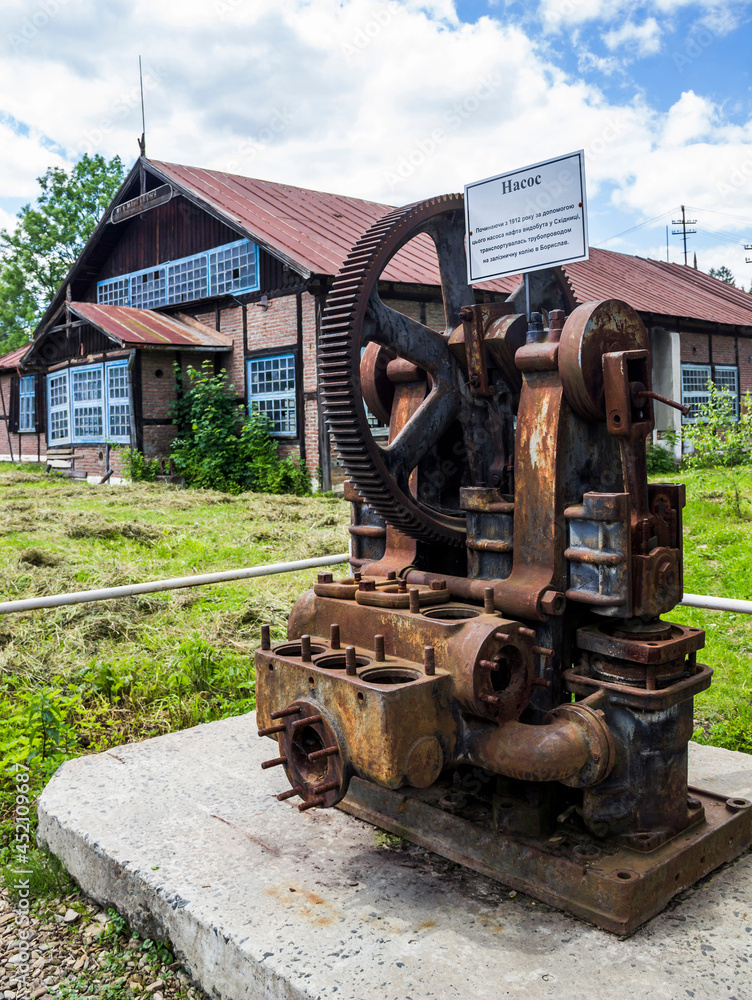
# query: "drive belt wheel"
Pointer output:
{"type": "Point", "coordinates": [431, 442]}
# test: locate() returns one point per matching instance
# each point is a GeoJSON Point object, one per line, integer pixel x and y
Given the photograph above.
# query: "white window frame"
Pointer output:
{"type": "Point", "coordinates": [95, 403]}
{"type": "Point", "coordinates": [104, 404]}
{"type": "Point", "coordinates": [265, 400]}
{"type": "Point", "coordinates": [187, 279]}
{"type": "Point", "coordinates": [708, 373]}
{"type": "Point", "coordinates": [60, 409]}
{"type": "Point", "coordinates": [27, 404]}
{"type": "Point", "coordinates": [124, 402]}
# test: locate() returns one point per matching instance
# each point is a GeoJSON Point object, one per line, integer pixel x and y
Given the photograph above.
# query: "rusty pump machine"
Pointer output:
{"type": "Point", "coordinates": [495, 681]}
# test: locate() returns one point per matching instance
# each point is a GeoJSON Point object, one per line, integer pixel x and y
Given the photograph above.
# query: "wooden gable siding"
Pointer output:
{"type": "Point", "coordinates": [179, 229]}
{"type": "Point", "coordinates": [54, 348]}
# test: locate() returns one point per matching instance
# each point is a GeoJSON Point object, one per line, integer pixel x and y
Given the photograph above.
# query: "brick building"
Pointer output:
{"type": "Point", "coordinates": [190, 264]}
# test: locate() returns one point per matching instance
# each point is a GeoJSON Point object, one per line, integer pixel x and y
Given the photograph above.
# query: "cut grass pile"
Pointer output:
{"type": "Point", "coordinates": [83, 678]}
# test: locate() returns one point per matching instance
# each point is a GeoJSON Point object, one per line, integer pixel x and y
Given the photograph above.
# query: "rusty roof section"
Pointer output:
{"type": "Point", "coordinates": [146, 328]}
{"type": "Point", "coordinates": [310, 228]}
{"type": "Point", "coordinates": [12, 360]}
{"type": "Point", "coordinates": [652, 286]}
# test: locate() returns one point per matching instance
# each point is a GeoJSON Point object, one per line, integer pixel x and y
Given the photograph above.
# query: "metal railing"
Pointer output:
{"type": "Point", "coordinates": [248, 573]}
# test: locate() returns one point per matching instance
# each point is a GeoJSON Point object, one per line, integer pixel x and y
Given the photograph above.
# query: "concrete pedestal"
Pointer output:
{"type": "Point", "coordinates": [183, 835]}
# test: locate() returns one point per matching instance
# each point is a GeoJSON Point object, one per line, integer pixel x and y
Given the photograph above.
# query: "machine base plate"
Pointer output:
{"type": "Point", "coordinates": [606, 883]}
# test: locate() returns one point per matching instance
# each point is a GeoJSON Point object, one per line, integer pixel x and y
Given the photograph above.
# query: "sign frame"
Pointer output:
{"type": "Point", "coordinates": [525, 179]}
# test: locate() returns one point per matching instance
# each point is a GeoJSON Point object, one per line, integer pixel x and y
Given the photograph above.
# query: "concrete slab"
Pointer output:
{"type": "Point", "coordinates": [183, 835]}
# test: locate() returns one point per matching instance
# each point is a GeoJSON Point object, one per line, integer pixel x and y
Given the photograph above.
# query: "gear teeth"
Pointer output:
{"type": "Point", "coordinates": [339, 382]}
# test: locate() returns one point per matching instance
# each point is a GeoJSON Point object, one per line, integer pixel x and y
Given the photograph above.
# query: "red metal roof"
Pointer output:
{"type": "Point", "coordinates": [145, 328]}
{"type": "Point", "coordinates": [311, 228]}
{"type": "Point", "coordinates": [315, 231]}
{"type": "Point", "coordinates": [12, 359]}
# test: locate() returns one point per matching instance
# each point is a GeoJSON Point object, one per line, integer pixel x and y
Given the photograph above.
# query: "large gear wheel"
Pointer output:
{"type": "Point", "coordinates": [431, 441]}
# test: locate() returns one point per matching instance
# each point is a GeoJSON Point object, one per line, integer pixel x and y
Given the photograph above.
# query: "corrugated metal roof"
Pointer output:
{"type": "Point", "coordinates": [12, 359]}
{"type": "Point", "coordinates": [312, 228]}
{"type": "Point", "coordinates": [652, 286]}
{"type": "Point", "coordinates": [145, 328]}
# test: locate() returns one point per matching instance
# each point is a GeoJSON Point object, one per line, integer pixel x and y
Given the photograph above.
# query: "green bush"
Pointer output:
{"type": "Point", "coordinates": [138, 468]}
{"type": "Point", "coordinates": [660, 461]}
{"type": "Point", "coordinates": [217, 449]}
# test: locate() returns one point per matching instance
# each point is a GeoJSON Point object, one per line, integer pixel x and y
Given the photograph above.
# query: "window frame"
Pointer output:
{"type": "Point", "coordinates": [27, 394]}
{"type": "Point", "coordinates": [281, 394]}
{"type": "Point", "coordinates": [120, 288]}
{"type": "Point", "coordinates": [104, 404]}
{"type": "Point", "coordinates": [711, 371]}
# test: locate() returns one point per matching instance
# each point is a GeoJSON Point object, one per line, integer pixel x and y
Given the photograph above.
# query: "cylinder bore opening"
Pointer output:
{"type": "Point", "coordinates": [451, 614]}
{"type": "Point", "coordinates": [509, 662]}
{"type": "Point", "coordinates": [307, 741]}
{"type": "Point", "coordinates": [336, 661]}
{"type": "Point", "coordinates": [294, 649]}
{"type": "Point", "coordinates": [390, 675]}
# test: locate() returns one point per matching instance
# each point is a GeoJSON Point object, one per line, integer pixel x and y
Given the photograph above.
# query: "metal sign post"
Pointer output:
{"type": "Point", "coordinates": [527, 220]}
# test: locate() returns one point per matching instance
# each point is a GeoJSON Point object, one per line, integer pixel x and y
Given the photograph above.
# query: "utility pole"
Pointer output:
{"type": "Point", "coordinates": [683, 232]}
{"type": "Point", "coordinates": [748, 246]}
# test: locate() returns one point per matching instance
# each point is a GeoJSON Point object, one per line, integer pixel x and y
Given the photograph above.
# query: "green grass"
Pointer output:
{"type": "Point", "coordinates": [718, 561]}
{"type": "Point", "coordinates": [88, 677]}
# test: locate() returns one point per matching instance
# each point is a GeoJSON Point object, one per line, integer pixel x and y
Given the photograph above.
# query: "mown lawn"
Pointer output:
{"type": "Point", "coordinates": [82, 678]}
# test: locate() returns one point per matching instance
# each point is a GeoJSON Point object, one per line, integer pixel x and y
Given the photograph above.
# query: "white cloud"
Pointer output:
{"type": "Point", "coordinates": [382, 99]}
{"type": "Point", "coordinates": [644, 38]}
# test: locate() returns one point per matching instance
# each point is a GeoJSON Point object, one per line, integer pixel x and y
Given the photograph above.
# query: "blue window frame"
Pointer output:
{"type": "Point", "coordinates": [27, 404]}
{"type": "Point", "coordinates": [271, 390]}
{"type": "Point", "coordinates": [695, 389]}
{"type": "Point", "coordinates": [231, 268]}
{"type": "Point", "coordinates": [89, 404]}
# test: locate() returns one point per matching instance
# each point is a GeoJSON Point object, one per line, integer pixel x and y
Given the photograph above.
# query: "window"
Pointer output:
{"type": "Point", "coordinates": [89, 404]}
{"type": "Point", "coordinates": [695, 390]}
{"type": "Point", "coordinates": [271, 390]}
{"type": "Point", "coordinates": [27, 405]}
{"type": "Point", "coordinates": [229, 268]}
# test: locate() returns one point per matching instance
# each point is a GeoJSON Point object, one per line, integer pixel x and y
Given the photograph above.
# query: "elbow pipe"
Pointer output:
{"type": "Point", "coordinates": [574, 746]}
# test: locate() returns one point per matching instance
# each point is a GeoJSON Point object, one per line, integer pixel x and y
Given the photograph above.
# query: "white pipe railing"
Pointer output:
{"type": "Point", "coordinates": [200, 580]}
{"type": "Point", "coordinates": [175, 583]}
{"type": "Point", "coordinates": [717, 603]}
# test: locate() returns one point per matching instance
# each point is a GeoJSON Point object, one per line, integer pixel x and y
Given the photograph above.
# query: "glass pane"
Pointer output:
{"type": "Point", "coordinates": [86, 385]}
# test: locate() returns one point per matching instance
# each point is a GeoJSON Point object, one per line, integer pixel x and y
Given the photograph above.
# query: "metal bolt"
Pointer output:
{"type": "Point", "coordinates": [543, 651]}
{"type": "Point", "coordinates": [326, 752]}
{"type": "Point", "coordinates": [270, 730]}
{"type": "Point", "coordinates": [357, 576]}
{"type": "Point", "coordinates": [367, 585]}
{"type": "Point", "coordinates": [325, 578]}
{"type": "Point", "coordinates": [391, 575]}
{"type": "Point", "coordinates": [334, 636]}
{"type": "Point", "coordinates": [305, 648]}
{"type": "Point", "coordinates": [275, 762]}
{"type": "Point", "coordinates": [318, 801]}
{"type": "Point", "coordinates": [297, 790]}
{"type": "Point", "coordinates": [330, 786]}
{"type": "Point", "coordinates": [378, 647]}
{"type": "Point", "coordinates": [437, 584]}
{"type": "Point", "coordinates": [488, 600]}
{"type": "Point", "coordinates": [310, 721]}
{"type": "Point", "coordinates": [541, 682]}
{"type": "Point", "coordinates": [526, 631]}
{"type": "Point", "coordinates": [414, 598]}
{"type": "Point", "coordinates": [266, 641]}
{"type": "Point", "coordinates": [553, 602]}
{"type": "Point", "coordinates": [351, 661]}
{"type": "Point", "coordinates": [402, 587]}
{"type": "Point", "coordinates": [282, 713]}
{"type": "Point", "coordinates": [501, 636]}
{"type": "Point", "coordinates": [489, 665]}
{"type": "Point", "coordinates": [429, 661]}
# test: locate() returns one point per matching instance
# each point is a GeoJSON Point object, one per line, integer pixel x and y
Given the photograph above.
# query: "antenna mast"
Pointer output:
{"type": "Point", "coordinates": [142, 140]}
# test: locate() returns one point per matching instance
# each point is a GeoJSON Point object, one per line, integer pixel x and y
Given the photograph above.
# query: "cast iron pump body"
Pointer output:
{"type": "Point", "coordinates": [497, 661]}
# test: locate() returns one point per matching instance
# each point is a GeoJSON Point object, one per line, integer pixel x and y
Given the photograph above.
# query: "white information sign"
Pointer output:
{"type": "Point", "coordinates": [527, 220]}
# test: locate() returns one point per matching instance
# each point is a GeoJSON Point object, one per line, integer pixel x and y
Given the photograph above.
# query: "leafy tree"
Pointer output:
{"type": "Point", "coordinates": [48, 239]}
{"type": "Point", "coordinates": [216, 448]}
{"type": "Point", "coordinates": [723, 274]}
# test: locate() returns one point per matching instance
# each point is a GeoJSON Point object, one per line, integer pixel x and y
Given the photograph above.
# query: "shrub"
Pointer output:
{"type": "Point", "coordinates": [217, 449]}
{"type": "Point", "coordinates": [137, 467]}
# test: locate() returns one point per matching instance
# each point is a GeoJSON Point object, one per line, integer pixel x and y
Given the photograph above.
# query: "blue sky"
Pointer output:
{"type": "Point", "coordinates": [397, 100]}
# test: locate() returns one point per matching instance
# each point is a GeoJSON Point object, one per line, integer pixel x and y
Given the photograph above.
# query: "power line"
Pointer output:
{"type": "Point", "coordinates": [632, 228]}
{"type": "Point", "coordinates": [684, 232]}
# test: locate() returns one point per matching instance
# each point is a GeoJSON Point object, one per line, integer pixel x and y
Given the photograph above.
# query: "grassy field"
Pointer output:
{"type": "Point", "coordinates": [84, 678]}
